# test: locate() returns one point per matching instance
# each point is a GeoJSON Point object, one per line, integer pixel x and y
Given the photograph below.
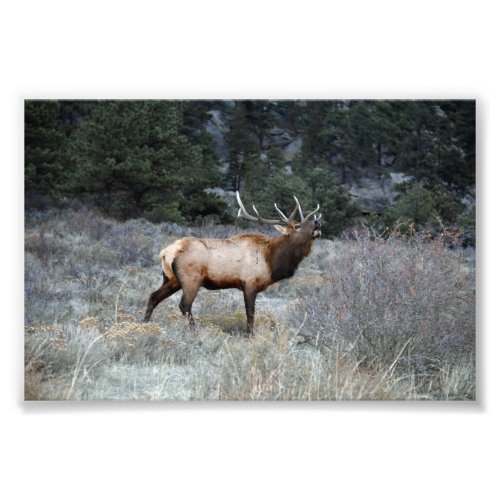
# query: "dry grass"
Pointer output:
{"type": "Point", "coordinates": [364, 318]}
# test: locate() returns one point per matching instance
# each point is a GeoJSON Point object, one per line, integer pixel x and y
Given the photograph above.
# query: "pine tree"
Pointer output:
{"type": "Point", "coordinates": [132, 160]}
{"type": "Point", "coordinates": [44, 150]}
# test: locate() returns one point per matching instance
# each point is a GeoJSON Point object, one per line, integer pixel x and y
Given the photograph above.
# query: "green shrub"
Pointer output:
{"type": "Point", "coordinates": [416, 208]}
{"type": "Point", "coordinates": [338, 212]}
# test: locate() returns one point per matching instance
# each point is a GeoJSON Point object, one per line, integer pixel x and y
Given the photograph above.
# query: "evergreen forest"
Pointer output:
{"type": "Point", "coordinates": [181, 161]}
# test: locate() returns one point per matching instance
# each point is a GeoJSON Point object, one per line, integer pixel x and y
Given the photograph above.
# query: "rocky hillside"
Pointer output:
{"type": "Point", "coordinates": [371, 190]}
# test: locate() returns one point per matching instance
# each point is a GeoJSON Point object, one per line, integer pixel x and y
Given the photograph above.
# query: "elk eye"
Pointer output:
{"type": "Point", "coordinates": [297, 227]}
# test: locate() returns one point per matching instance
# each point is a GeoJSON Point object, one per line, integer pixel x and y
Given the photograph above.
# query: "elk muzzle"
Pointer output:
{"type": "Point", "coordinates": [317, 229]}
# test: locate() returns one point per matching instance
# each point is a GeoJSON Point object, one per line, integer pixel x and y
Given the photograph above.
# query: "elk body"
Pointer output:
{"type": "Point", "coordinates": [249, 262]}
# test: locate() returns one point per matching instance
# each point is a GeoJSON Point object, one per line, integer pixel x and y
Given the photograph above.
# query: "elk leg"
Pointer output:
{"type": "Point", "coordinates": [187, 299]}
{"type": "Point", "coordinates": [250, 296]}
{"type": "Point", "coordinates": [168, 288]}
{"type": "Point", "coordinates": [190, 282]}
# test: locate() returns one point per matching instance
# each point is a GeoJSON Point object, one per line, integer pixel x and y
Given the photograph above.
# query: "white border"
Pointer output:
{"type": "Point", "coordinates": [223, 49]}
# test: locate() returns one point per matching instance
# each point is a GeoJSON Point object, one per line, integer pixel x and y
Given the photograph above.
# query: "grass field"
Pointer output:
{"type": "Point", "coordinates": [363, 318]}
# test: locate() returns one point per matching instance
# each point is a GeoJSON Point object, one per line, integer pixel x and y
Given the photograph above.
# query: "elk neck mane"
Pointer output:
{"type": "Point", "coordinates": [285, 254]}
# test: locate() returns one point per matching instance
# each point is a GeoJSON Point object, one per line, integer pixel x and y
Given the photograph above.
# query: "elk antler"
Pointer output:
{"type": "Point", "coordinates": [283, 218]}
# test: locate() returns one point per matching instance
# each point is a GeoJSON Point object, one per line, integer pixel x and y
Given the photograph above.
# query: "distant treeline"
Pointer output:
{"type": "Point", "coordinates": [156, 159]}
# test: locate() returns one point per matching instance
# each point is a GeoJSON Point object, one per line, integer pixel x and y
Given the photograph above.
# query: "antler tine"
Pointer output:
{"type": "Point", "coordinates": [242, 211]}
{"type": "Point", "coordinates": [300, 209]}
{"type": "Point", "coordinates": [313, 212]}
{"type": "Point", "coordinates": [283, 217]}
{"type": "Point", "coordinates": [292, 215]}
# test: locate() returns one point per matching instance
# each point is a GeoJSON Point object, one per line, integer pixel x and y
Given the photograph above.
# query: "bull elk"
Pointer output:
{"type": "Point", "coordinates": [249, 262]}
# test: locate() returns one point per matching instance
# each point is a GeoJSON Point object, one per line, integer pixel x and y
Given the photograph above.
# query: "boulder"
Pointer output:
{"type": "Point", "coordinates": [373, 193]}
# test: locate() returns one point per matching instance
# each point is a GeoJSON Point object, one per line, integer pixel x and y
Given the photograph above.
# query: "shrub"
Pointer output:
{"type": "Point", "coordinates": [409, 301]}
{"type": "Point", "coordinates": [337, 211]}
{"type": "Point", "coordinates": [417, 207]}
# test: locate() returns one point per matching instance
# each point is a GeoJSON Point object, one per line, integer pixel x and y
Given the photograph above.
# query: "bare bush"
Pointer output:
{"type": "Point", "coordinates": [407, 299]}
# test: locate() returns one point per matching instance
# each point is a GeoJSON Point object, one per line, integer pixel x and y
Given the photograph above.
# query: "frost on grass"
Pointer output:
{"type": "Point", "coordinates": [363, 318]}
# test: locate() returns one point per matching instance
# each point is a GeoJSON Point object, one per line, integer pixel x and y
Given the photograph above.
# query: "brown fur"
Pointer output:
{"type": "Point", "coordinates": [249, 262]}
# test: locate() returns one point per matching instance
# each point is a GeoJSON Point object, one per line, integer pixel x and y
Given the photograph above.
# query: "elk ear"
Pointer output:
{"type": "Point", "coordinates": [281, 229]}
